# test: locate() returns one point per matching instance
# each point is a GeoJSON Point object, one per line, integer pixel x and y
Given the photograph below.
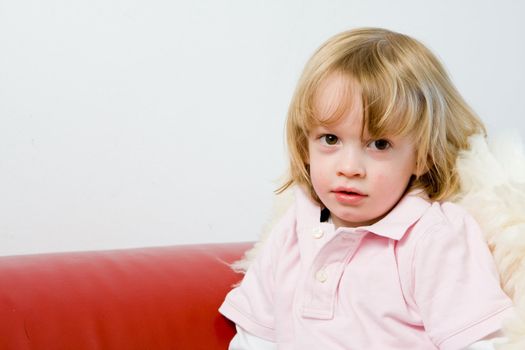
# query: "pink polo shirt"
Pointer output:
{"type": "Point", "coordinates": [420, 278]}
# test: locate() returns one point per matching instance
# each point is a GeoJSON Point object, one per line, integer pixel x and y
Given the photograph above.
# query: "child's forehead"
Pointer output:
{"type": "Point", "coordinates": [339, 97]}
{"type": "Point", "coordinates": [335, 96]}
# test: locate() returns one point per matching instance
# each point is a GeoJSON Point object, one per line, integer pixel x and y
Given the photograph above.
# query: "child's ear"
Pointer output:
{"type": "Point", "coordinates": [420, 169]}
{"type": "Point", "coordinates": [418, 172]}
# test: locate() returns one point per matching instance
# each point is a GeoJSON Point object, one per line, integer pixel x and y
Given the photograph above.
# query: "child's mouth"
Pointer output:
{"type": "Point", "coordinates": [350, 192]}
{"type": "Point", "coordinates": [349, 196]}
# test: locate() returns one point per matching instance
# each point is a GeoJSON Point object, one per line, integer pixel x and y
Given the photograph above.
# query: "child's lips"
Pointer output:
{"type": "Point", "coordinates": [348, 195]}
{"type": "Point", "coordinates": [349, 191]}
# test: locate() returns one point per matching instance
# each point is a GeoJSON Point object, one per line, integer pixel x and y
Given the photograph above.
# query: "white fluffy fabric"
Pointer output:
{"type": "Point", "coordinates": [493, 191]}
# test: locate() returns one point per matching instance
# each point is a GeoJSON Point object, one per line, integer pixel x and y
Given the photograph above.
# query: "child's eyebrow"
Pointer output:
{"type": "Point", "coordinates": [321, 128]}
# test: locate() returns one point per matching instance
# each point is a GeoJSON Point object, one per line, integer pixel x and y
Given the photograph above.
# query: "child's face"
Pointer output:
{"type": "Point", "coordinates": [357, 178]}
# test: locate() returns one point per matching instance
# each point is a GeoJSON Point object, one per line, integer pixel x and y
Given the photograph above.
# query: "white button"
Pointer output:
{"type": "Point", "coordinates": [321, 276]}
{"type": "Point", "coordinates": [317, 232]}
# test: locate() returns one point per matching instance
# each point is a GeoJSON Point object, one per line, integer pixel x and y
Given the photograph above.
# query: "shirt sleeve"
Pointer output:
{"type": "Point", "coordinates": [251, 304]}
{"type": "Point", "coordinates": [455, 283]}
{"type": "Point", "coordinates": [490, 342]}
{"type": "Point", "coordinates": [246, 341]}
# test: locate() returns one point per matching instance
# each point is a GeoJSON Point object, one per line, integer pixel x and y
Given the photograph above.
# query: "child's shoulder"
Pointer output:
{"type": "Point", "coordinates": [450, 213]}
{"type": "Point", "coordinates": [446, 223]}
{"type": "Point", "coordinates": [275, 231]}
{"type": "Point", "coordinates": [431, 213]}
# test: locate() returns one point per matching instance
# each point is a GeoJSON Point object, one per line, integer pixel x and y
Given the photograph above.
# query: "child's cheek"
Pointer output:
{"type": "Point", "coordinates": [380, 179]}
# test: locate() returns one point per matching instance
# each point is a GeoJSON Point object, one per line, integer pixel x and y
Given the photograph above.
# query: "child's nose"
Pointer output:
{"type": "Point", "coordinates": [351, 164]}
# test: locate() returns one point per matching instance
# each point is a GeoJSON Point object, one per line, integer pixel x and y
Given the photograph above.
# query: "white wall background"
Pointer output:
{"type": "Point", "coordinates": [156, 122]}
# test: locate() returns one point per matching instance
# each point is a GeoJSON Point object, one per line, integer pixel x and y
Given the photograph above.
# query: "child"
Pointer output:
{"type": "Point", "coordinates": [371, 256]}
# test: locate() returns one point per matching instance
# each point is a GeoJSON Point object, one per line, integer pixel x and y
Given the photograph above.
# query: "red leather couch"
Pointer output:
{"type": "Point", "coordinates": [150, 298]}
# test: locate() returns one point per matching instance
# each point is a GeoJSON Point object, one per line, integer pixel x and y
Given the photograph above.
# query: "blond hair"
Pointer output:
{"type": "Point", "coordinates": [404, 90]}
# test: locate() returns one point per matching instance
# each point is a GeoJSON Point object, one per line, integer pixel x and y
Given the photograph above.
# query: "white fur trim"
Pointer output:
{"type": "Point", "coordinates": [493, 191]}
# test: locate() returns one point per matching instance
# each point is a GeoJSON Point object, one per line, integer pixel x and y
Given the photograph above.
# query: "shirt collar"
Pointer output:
{"type": "Point", "coordinates": [394, 225]}
{"type": "Point", "coordinates": [406, 213]}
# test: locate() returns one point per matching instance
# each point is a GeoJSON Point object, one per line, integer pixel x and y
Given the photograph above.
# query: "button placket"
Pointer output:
{"type": "Point", "coordinates": [325, 273]}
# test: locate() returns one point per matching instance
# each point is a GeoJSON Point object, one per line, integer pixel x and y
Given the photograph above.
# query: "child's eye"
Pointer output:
{"type": "Point", "coordinates": [380, 144]}
{"type": "Point", "coordinates": [329, 139]}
